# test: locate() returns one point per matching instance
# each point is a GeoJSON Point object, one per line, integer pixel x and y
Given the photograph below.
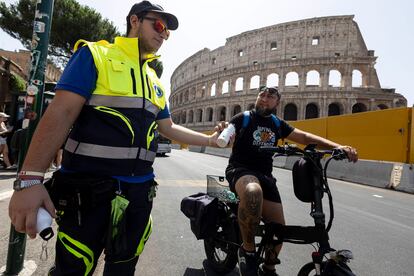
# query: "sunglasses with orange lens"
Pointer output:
{"type": "Point", "coordinates": [158, 26]}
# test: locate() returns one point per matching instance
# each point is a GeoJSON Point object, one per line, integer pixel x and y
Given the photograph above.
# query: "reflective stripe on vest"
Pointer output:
{"type": "Point", "coordinates": [109, 152]}
{"type": "Point", "coordinates": [122, 102]}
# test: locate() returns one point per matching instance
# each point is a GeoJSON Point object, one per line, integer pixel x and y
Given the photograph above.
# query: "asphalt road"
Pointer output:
{"type": "Point", "coordinates": [376, 224]}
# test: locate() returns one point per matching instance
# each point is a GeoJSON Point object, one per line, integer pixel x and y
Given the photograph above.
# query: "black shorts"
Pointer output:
{"type": "Point", "coordinates": [268, 183]}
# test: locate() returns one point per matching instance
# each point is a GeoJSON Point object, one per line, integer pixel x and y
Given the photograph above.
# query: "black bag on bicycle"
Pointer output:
{"type": "Point", "coordinates": [303, 179]}
{"type": "Point", "coordinates": [202, 211]}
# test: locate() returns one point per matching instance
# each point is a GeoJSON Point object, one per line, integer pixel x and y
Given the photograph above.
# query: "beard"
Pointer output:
{"type": "Point", "coordinates": [264, 112]}
{"type": "Point", "coordinates": [145, 45]}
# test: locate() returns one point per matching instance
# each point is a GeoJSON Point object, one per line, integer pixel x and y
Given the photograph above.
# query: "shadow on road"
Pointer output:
{"type": "Point", "coordinates": [206, 271]}
{"type": "Point", "coordinates": [162, 155]}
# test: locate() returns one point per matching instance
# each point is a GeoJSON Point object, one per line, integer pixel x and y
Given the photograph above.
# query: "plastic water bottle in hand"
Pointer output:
{"type": "Point", "coordinates": [225, 136]}
{"type": "Point", "coordinates": [44, 224]}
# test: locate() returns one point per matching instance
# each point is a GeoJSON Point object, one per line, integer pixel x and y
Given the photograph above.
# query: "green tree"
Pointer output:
{"type": "Point", "coordinates": [71, 21]}
{"type": "Point", "coordinates": [16, 83]}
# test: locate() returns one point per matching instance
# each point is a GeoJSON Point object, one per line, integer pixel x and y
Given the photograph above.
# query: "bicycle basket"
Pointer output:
{"type": "Point", "coordinates": [217, 186]}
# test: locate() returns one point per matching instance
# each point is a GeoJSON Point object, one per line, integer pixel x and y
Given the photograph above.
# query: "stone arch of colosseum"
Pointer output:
{"type": "Point", "coordinates": [321, 67]}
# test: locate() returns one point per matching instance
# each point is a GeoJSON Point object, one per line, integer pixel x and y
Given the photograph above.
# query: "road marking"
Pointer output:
{"type": "Point", "coordinates": [379, 196]}
{"type": "Point", "coordinates": [6, 194]}
{"type": "Point", "coordinates": [29, 267]}
{"type": "Point", "coordinates": [182, 183]}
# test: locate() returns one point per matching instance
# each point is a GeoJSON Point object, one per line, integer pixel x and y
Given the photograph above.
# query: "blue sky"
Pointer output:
{"type": "Point", "coordinates": [387, 28]}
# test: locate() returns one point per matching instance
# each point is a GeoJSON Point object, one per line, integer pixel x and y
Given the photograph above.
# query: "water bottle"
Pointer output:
{"type": "Point", "coordinates": [44, 224]}
{"type": "Point", "coordinates": [225, 135]}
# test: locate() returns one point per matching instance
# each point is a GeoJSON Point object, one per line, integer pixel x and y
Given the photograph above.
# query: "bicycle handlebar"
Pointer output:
{"type": "Point", "coordinates": [293, 150]}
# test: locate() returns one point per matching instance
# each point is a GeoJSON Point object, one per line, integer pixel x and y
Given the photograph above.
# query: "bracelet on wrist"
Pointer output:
{"type": "Point", "coordinates": [30, 177]}
{"type": "Point", "coordinates": [32, 173]}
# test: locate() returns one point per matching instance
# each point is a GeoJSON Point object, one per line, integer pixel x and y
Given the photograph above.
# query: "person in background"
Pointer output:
{"type": "Point", "coordinates": [249, 174]}
{"type": "Point", "coordinates": [4, 149]}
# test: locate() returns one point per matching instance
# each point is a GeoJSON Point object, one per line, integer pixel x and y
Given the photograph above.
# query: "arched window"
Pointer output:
{"type": "Point", "coordinates": [335, 78]}
{"type": "Point", "coordinates": [203, 92]}
{"type": "Point", "coordinates": [313, 78]}
{"type": "Point", "coordinates": [209, 114]}
{"type": "Point", "coordinates": [190, 116]}
{"type": "Point", "coordinates": [272, 80]}
{"type": "Point", "coordinates": [213, 90]}
{"type": "Point", "coordinates": [359, 107]}
{"type": "Point", "coordinates": [199, 115]}
{"type": "Point", "coordinates": [239, 84]}
{"type": "Point", "coordinates": [222, 113]}
{"type": "Point", "coordinates": [334, 109]}
{"type": "Point", "coordinates": [382, 106]}
{"type": "Point", "coordinates": [290, 112]}
{"type": "Point", "coordinates": [236, 110]}
{"type": "Point", "coordinates": [225, 87]}
{"type": "Point", "coordinates": [186, 96]}
{"type": "Point", "coordinates": [255, 82]}
{"type": "Point", "coordinates": [176, 118]}
{"type": "Point", "coordinates": [292, 79]}
{"type": "Point", "coordinates": [183, 117]}
{"type": "Point", "coordinates": [311, 111]}
{"type": "Point", "coordinates": [356, 78]}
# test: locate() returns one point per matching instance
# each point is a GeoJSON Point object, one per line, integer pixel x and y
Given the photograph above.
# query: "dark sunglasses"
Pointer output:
{"type": "Point", "coordinates": [158, 26]}
{"type": "Point", "coordinates": [270, 90]}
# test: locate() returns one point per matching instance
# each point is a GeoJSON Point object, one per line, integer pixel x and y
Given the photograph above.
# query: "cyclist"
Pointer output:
{"type": "Point", "coordinates": [249, 174]}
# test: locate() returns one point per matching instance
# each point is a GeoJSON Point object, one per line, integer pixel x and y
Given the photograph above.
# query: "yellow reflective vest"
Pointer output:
{"type": "Point", "coordinates": [114, 133]}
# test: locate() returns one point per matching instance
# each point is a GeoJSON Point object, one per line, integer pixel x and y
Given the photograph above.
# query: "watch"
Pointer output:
{"type": "Point", "coordinates": [20, 184]}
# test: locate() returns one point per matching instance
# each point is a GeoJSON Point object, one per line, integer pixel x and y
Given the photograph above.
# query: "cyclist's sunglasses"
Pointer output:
{"type": "Point", "coordinates": [158, 26]}
{"type": "Point", "coordinates": [270, 90]}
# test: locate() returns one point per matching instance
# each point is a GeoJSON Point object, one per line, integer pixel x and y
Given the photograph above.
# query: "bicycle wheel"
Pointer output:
{"type": "Point", "coordinates": [327, 270]}
{"type": "Point", "coordinates": [309, 269]}
{"type": "Point", "coordinates": [221, 250]}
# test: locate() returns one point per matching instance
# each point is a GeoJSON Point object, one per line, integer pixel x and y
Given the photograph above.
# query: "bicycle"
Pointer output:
{"type": "Point", "coordinates": [221, 248]}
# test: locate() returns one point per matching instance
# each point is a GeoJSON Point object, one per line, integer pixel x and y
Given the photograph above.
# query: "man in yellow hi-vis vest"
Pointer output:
{"type": "Point", "coordinates": [109, 106]}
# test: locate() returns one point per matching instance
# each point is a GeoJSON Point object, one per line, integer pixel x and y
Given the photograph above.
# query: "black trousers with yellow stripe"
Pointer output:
{"type": "Point", "coordinates": [78, 247]}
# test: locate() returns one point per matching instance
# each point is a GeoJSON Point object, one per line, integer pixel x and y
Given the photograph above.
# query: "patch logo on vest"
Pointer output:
{"type": "Point", "coordinates": [158, 91]}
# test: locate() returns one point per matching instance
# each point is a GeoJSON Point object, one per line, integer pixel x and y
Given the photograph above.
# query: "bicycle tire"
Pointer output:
{"type": "Point", "coordinates": [335, 270]}
{"type": "Point", "coordinates": [222, 255]}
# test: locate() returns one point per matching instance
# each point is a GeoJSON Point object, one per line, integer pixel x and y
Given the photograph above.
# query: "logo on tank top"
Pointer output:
{"type": "Point", "coordinates": [263, 136]}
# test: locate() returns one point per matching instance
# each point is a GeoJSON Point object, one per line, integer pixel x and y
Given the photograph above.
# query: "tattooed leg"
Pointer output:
{"type": "Point", "coordinates": [250, 208]}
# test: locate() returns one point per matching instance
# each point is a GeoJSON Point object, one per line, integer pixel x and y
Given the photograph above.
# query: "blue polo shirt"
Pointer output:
{"type": "Point", "coordinates": [80, 77]}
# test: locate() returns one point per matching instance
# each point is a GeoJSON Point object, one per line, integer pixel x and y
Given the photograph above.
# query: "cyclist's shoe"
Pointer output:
{"type": "Point", "coordinates": [247, 263]}
{"type": "Point", "coordinates": [263, 271]}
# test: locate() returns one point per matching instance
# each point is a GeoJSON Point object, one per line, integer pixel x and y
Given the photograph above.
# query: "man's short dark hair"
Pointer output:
{"type": "Point", "coordinates": [271, 90]}
{"type": "Point", "coordinates": [139, 15]}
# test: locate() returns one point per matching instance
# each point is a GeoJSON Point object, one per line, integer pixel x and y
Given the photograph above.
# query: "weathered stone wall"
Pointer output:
{"type": "Point", "coordinates": [321, 66]}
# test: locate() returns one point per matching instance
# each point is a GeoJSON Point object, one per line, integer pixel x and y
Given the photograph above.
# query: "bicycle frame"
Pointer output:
{"type": "Point", "coordinates": [273, 234]}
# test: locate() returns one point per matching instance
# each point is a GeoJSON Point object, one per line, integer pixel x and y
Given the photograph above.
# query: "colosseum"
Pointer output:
{"type": "Point", "coordinates": [321, 66]}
